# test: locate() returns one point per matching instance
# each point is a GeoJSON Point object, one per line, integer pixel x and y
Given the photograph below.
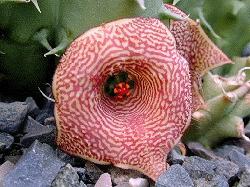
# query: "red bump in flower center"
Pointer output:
{"type": "Point", "coordinates": [122, 90]}
{"type": "Point", "coordinates": [119, 86]}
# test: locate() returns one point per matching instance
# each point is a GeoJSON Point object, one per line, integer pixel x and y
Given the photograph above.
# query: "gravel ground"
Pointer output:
{"type": "Point", "coordinates": [29, 157]}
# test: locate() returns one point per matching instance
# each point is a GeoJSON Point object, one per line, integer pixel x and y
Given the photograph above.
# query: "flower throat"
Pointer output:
{"type": "Point", "coordinates": [119, 86]}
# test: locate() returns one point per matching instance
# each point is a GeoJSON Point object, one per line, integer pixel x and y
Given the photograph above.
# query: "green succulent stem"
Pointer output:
{"type": "Point", "coordinates": [18, 1]}
{"type": "Point", "coordinates": [227, 102]}
{"type": "Point", "coordinates": [229, 126]}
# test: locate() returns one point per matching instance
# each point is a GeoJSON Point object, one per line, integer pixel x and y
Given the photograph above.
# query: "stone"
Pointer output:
{"type": "Point", "coordinates": [85, 177]}
{"type": "Point", "coordinates": [246, 51]}
{"type": "Point", "coordinates": [120, 176]}
{"type": "Point", "coordinates": [174, 157]}
{"type": "Point", "coordinates": [175, 176]}
{"type": "Point", "coordinates": [240, 159]}
{"type": "Point", "coordinates": [138, 182]}
{"type": "Point", "coordinates": [37, 167]}
{"type": "Point", "coordinates": [12, 158]}
{"type": "Point", "coordinates": [2, 147]}
{"type": "Point", "coordinates": [244, 179]}
{"type": "Point", "coordinates": [81, 173]}
{"type": "Point", "coordinates": [50, 121]}
{"type": "Point", "coordinates": [34, 130]}
{"type": "Point", "coordinates": [46, 112]}
{"type": "Point", "coordinates": [247, 130]}
{"type": "Point", "coordinates": [6, 140]}
{"type": "Point", "coordinates": [216, 181]}
{"type": "Point", "coordinates": [90, 185]}
{"type": "Point", "coordinates": [67, 176]}
{"type": "Point", "coordinates": [65, 157]}
{"type": "Point", "coordinates": [224, 150]}
{"type": "Point", "coordinates": [244, 144]}
{"type": "Point", "coordinates": [226, 168]}
{"type": "Point", "coordinates": [123, 184]}
{"type": "Point", "coordinates": [199, 150]}
{"type": "Point", "coordinates": [12, 116]}
{"type": "Point", "coordinates": [104, 181]}
{"type": "Point", "coordinates": [93, 172]}
{"type": "Point", "coordinates": [199, 168]}
{"type": "Point", "coordinates": [32, 106]}
{"type": "Point", "coordinates": [5, 168]}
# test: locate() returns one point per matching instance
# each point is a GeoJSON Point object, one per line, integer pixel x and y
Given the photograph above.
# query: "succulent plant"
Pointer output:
{"type": "Point", "coordinates": [227, 102]}
{"type": "Point", "coordinates": [96, 117]}
{"type": "Point", "coordinates": [226, 22]}
{"type": "Point", "coordinates": [28, 36]}
{"type": "Point", "coordinates": [123, 90]}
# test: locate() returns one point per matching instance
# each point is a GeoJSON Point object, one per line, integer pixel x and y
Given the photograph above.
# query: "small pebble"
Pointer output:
{"type": "Point", "coordinates": [12, 158]}
{"type": "Point", "coordinates": [199, 150]}
{"type": "Point", "coordinates": [224, 150]}
{"type": "Point", "coordinates": [65, 157]}
{"type": "Point", "coordinates": [247, 130]}
{"type": "Point", "coordinates": [12, 116]}
{"type": "Point", "coordinates": [5, 168]}
{"type": "Point", "coordinates": [199, 168]}
{"type": "Point", "coordinates": [245, 179]}
{"type": "Point", "coordinates": [246, 51]}
{"type": "Point", "coordinates": [90, 185]}
{"type": "Point", "coordinates": [123, 184]}
{"type": "Point", "coordinates": [120, 176]}
{"type": "Point", "coordinates": [174, 157]}
{"type": "Point", "coordinates": [81, 173]}
{"type": "Point", "coordinates": [216, 181]}
{"type": "Point", "coordinates": [32, 106]}
{"type": "Point", "coordinates": [39, 165]}
{"type": "Point", "coordinates": [67, 176]}
{"type": "Point", "coordinates": [50, 121]}
{"type": "Point", "coordinates": [226, 168]}
{"type": "Point", "coordinates": [93, 172]}
{"type": "Point", "coordinates": [46, 112]}
{"type": "Point", "coordinates": [138, 182]}
{"type": "Point", "coordinates": [104, 181]}
{"type": "Point", "coordinates": [175, 176]}
{"type": "Point", "coordinates": [34, 130]}
{"type": "Point", "coordinates": [240, 159]}
{"type": "Point", "coordinates": [6, 141]}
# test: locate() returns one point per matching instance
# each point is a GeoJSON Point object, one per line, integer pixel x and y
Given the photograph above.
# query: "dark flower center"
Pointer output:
{"type": "Point", "coordinates": [119, 86]}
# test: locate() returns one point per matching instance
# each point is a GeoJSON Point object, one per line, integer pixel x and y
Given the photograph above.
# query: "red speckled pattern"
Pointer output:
{"type": "Point", "coordinates": [135, 133]}
{"type": "Point", "coordinates": [200, 52]}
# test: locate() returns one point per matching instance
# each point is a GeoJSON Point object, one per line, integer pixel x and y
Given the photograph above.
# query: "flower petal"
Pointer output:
{"type": "Point", "coordinates": [139, 131]}
{"type": "Point", "coordinates": [200, 52]}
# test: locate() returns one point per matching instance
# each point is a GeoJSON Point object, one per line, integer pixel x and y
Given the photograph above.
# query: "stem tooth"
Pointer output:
{"type": "Point", "coordinates": [141, 3]}
{"type": "Point", "coordinates": [204, 21]}
{"type": "Point", "coordinates": [175, 2]}
{"type": "Point", "coordinates": [36, 5]}
{"type": "Point", "coordinates": [244, 137]}
{"type": "Point", "coordinates": [232, 97]}
{"type": "Point", "coordinates": [198, 115]}
{"type": "Point", "coordinates": [42, 38]}
{"type": "Point", "coordinates": [237, 5]}
{"type": "Point", "coordinates": [165, 13]}
{"type": "Point", "coordinates": [64, 41]}
{"type": "Point", "coordinates": [44, 95]}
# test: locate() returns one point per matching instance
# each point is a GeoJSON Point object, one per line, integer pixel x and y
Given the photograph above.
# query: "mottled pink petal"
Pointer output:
{"type": "Point", "coordinates": [135, 133]}
{"type": "Point", "coordinates": [200, 52]}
